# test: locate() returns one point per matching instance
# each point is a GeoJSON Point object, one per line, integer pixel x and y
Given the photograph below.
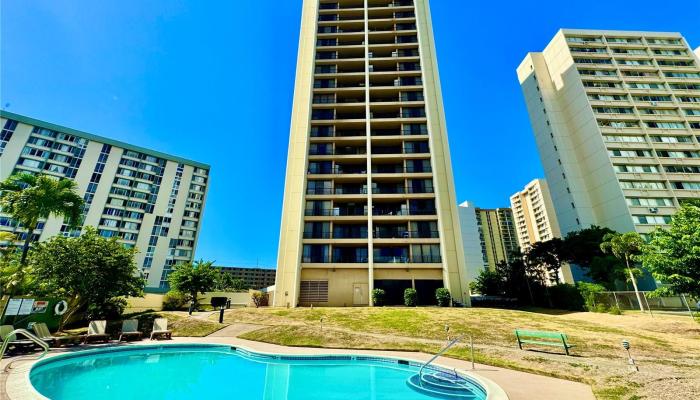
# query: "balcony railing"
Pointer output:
{"type": "Point", "coordinates": [342, 258]}
{"type": "Point", "coordinates": [397, 169]}
{"type": "Point", "coordinates": [337, 190]}
{"type": "Point", "coordinates": [335, 212]}
{"type": "Point", "coordinates": [397, 211]}
{"type": "Point", "coordinates": [317, 235]}
{"type": "Point", "coordinates": [402, 234]}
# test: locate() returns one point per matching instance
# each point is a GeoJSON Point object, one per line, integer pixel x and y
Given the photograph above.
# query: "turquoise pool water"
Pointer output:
{"type": "Point", "coordinates": [221, 372]}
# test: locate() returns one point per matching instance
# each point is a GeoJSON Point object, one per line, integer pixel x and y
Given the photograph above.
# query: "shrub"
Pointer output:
{"type": "Point", "coordinates": [378, 297]}
{"type": "Point", "coordinates": [566, 297]}
{"type": "Point", "coordinates": [600, 308]}
{"type": "Point", "coordinates": [588, 292]}
{"type": "Point", "coordinates": [174, 301]}
{"type": "Point", "coordinates": [109, 309]}
{"type": "Point", "coordinates": [259, 298]}
{"type": "Point", "coordinates": [443, 297]}
{"type": "Point", "coordinates": [410, 297]}
{"type": "Point", "coordinates": [615, 311]}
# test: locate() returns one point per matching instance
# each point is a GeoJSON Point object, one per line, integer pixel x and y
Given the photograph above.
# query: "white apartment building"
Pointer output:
{"type": "Point", "coordinates": [616, 116]}
{"type": "Point", "coordinates": [534, 215]}
{"type": "Point", "coordinates": [147, 199]}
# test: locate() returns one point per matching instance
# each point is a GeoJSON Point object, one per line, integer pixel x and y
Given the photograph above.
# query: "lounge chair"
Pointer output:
{"type": "Point", "coordinates": [43, 333]}
{"type": "Point", "coordinates": [97, 330]}
{"type": "Point", "coordinates": [12, 339]}
{"type": "Point", "coordinates": [160, 329]}
{"type": "Point", "coordinates": [130, 329]}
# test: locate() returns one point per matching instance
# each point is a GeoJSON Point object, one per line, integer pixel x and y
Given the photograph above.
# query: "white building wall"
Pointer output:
{"type": "Point", "coordinates": [471, 241]}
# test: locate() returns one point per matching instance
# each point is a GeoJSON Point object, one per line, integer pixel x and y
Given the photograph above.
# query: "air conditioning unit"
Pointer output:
{"type": "Point", "coordinates": [653, 210]}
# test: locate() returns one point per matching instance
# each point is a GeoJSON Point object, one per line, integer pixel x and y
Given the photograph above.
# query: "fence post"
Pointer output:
{"type": "Point", "coordinates": [687, 306]}
{"type": "Point", "coordinates": [616, 303]}
{"type": "Point", "coordinates": [647, 301]}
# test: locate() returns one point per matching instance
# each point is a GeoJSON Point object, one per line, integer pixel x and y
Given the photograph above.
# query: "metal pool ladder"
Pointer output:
{"type": "Point", "coordinates": [438, 354]}
{"type": "Point", "coordinates": [29, 336]}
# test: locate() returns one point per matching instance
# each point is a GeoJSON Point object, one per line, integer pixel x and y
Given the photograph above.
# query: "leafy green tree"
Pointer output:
{"type": "Point", "coordinates": [547, 257]}
{"type": "Point", "coordinates": [30, 198]}
{"type": "Point", "coordinates": [582, 248]}
{"type": "Point", "coordinates": [673, 255]}
{"type": "Point", "coordinates": [225, 281]}
{"type": "Point", "coordinates": [443, 297]}
{"type": "Point", "coordinates": [90, 271]}
{"type": "Point", "coordinates": [193, 278]}
{"type": "Point", "coordinates": [626, 247]}
{"type": "Point", "coordinates": [488, 283]}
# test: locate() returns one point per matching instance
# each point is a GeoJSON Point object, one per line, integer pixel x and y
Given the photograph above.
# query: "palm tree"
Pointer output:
{"type": "Point", "coordinates": [625, 246]}
{"type": "Point", "coordinates": [29, 198]}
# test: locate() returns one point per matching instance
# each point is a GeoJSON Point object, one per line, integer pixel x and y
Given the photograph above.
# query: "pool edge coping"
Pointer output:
{"type": "Point", "coordinates": [22, 383]}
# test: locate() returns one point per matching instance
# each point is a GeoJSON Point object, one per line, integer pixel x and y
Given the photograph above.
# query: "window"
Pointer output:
{"type": "Point", "coordinates": [644, 85]}
{"type": "Point", "coordinates": [670, 139]}
{"type": "Point", "coordinates": [613, 110]}
{"type": "Point", "coordinates": [658, 111]}
{"type": "Point", "coordinates": [677, 154]}
{"type": "Point", "coordinates": [624, 139]}
{"type": "Point", "coordinates": [639, 169]}
{"type": "Point", "coordinates": [618, 124]}
{"type": "Point", "coordinates": [665, 125]}
{"type": "Point", "coordinates": [682, 74]}
{"type": "Point", "coordinates": [642, 185]}
{"type": "Point", "coordinates": [686, 185]}
{"type": "Point", "coordinates": [651, 219]}
{"type": "Point", "coordinates": [652, 98]}
{"type": "Point", "coordinates": [649, 202]}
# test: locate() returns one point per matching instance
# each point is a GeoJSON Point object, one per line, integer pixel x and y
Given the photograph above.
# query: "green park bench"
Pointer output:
{"type": "Point", "coordinates": [542, 338]}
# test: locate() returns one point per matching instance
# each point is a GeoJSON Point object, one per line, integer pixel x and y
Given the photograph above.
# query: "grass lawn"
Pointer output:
{"type": "Point", "coordinates": [666, 347]}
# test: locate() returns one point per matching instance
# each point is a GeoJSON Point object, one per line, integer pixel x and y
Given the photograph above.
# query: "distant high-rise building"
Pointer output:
{"type": "Point", "coordinates": [488, 237]}
{"type": "Point", "coordinates": [369, 198]}
{"type": "Point", "coordinates": [616, 116]}
{"type": "Point", "coordinates": [534, 215]}
{"type": "Point", "coordinates": [147, 199]}
{"type": "Point", "coordinates": [254, 278]}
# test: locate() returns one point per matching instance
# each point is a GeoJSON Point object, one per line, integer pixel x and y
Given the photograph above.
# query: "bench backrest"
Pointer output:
{"type": "Point", "coordinates": [540, 334]}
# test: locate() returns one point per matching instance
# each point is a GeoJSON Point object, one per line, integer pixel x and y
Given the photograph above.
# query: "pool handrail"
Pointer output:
{"type": "Point", "coordinates": [6, 343]}
{"type": "Point", "coordinates": [438, 354]}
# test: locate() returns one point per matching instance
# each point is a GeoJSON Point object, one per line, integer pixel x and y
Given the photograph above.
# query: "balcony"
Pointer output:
{"type": "Point", "coordinates": [336, 212]}
{"type": "Point", "coordinates": [404, 234]}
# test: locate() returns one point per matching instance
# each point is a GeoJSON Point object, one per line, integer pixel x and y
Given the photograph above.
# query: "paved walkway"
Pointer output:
{"type": "Point", "coordinates": [517, 385]}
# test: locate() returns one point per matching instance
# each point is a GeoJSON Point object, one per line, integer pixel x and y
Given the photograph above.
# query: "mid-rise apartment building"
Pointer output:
{"type": "Point", "coordinates": [369, 197]}
{"type": "Point", "coordinates": [534, 215]}
{"type": "Point", "coordinates": [488, 236]}
{"type": "Point", "coordinates": [147, 199]}
{"type": "Point", "coordinates": [254, 278]}
{"type": "Point", "coordinates": [616, 116]}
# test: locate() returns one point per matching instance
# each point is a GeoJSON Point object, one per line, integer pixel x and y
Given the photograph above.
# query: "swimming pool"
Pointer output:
{"type": "Point", "coordinates": [225, 372]}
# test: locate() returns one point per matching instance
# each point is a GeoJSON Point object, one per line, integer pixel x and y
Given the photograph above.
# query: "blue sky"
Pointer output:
{"type": "Point", "coordinates": [213, 81]}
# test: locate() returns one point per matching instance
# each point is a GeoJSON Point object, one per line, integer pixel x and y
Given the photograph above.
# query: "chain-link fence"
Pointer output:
{"type": "Point", "coordinates": [627, 300]}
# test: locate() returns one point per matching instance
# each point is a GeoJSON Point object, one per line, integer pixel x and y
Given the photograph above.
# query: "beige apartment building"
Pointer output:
{"type": "Point", "coordinates": [369, 199]}
{"type": "Point", "coordinates": [616, 116]}
{"type": "Point", "coordinates": [488, 237]}
{"type": "Point", "coordinates": [147, 199]}
{"type": "Point", "coordinates": [534, 215]}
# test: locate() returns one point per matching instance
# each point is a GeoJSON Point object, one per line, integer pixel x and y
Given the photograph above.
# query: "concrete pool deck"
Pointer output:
{"type": "Point", "coordinates": [14, 382]}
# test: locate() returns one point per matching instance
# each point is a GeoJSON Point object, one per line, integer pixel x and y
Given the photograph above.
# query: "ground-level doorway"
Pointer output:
{"type": "Point", "coordinates": [360, 295]}
{"type": "Point", "coordinates": [393, 290]}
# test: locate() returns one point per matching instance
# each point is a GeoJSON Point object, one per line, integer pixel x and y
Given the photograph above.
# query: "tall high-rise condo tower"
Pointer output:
{"type": "Point", "coordinates": [616, 117]}
{"type": "Point", "coordinates": [369, 198]}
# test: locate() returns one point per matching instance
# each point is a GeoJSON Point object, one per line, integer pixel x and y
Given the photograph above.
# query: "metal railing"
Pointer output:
{"type": "Point", "coordinates": [6, 343]}
{"type": "Point", "coordinates": [438, 354]}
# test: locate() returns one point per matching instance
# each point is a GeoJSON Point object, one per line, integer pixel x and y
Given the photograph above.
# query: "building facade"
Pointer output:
{"type": "Point", "coordinates": [254, 278]}
{"type": "Point", "coordinates": [148, 200]}
{"type": "Point", "coordinates": [488, 236]}
{"type": "Point", "coordinates": [369, 197]}
{"type": "Point", "coordinates": [616, 116]}
{"type": "Point", "coordinates": [534, 215]}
